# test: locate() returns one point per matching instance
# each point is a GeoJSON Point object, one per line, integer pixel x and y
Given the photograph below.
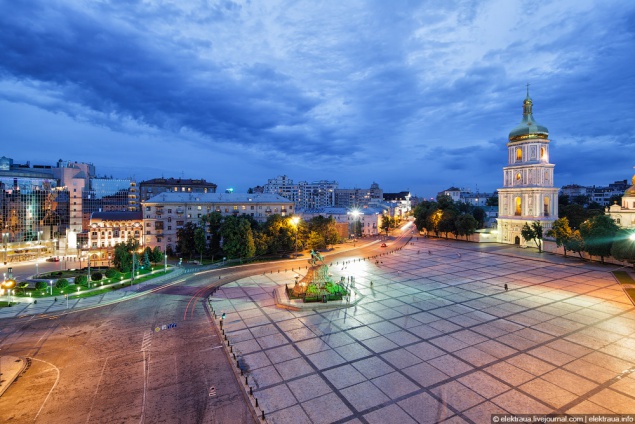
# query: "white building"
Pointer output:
{"type": "Point", "coordinates": [165, 213]}
{"type": "Point", "coordinates": [528, 193]}
{"type": "Point", "coordinates": [369, 218]}
{"type": "Point", "coordinates": [305, 195]}
{"type": "Point", "coordinates": [624, 214]}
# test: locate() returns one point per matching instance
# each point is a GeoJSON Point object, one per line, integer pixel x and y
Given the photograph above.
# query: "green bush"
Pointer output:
{"type": "Point", "coordinates": [96, 276]}
{"type": "Point", "coordinates": [41, 285]}
{"type": "Point", "coordinates": [81, 280]}
{"type": "Point", "coordinates": [112, 273]}
{"type": "Point", "coordinates": [62, 283]}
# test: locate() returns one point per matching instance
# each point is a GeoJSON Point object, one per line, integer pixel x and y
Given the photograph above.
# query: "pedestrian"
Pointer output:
{"type": "Point", "coordinates": [429, 253]}
{"type": "Point", "coordinates": [505, 286]}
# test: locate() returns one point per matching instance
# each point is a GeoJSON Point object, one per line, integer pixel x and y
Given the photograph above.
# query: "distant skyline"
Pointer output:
{"type": "Point", "coordinates": [415, 96]}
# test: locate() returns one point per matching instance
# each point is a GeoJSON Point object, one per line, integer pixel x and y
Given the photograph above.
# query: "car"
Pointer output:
{"type": "Point", "coordinates": [53, 259]}
{"type": "Point", "coordinates": [383, 245]}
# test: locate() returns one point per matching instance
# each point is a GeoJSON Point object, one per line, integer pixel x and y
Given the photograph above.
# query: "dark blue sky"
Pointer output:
{"type": "Point", "coordinates": [412, 95]}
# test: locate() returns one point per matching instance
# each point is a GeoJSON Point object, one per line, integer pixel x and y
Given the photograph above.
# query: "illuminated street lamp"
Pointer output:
{"type": "Point", "coordinates": [51, 286]}
{"type": "Point", "coordinates": [296, 220]}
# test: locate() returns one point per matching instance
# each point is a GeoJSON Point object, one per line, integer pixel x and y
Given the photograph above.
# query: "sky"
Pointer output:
{"type": "Point", "coordinates": [412, 95]}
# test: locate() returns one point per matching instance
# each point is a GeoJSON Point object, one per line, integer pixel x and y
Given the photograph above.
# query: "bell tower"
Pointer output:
{"type": "Point", "coordinates": [528, 193]}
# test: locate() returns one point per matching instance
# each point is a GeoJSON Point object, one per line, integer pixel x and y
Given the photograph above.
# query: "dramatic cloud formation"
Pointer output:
{"type": "Point", "coordinates": [412, 95]}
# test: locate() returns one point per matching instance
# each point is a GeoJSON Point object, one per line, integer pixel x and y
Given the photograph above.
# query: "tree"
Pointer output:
{"type": "Point", "coordinates": [422, 211]}
{"type": "Point", "coordinates": [280, 234]}
{"type": "Point", "coordinates": [326, 228]}
{"type": "Point", "coordinates": [432, 224]}
{"type": "Point", "coordinates": [185, 244]}
{"type": "Point", "coordinates": [561, 232]}
{"type": "Point", "coordinates": [575, 214]}
{"type": "Point", "coordinates": [122, 259]}
{"type": "Point", "coordinates": [62, 283]}
{"type": "Point", "coordinates": [81, 280]}
{"type": "Point", "coordinates": [615, 199]}
{"type": "Point", "coordinates": [315, 241]}
{"type": "Point", "coordinates": [96, 276]}
{"type": "Point", "coordinates": [40, 285]}
{"type": "Point", "coordinates": [386, 223]}
{"type": "Point", "coordinates": [23, 286]}
{"type": "Point", "coordinates": [156, 255]}
{"type": "Point", "coordinates": [214, 222]}
{"type": "Point", "coordinates": [238, 239]}
{"type": "Point", "coordinates": [575, 243]}
{"type": "Point", "coordinates": [146, 260]}
{"type": "Point", "coordinates": [623, 248]}
{"type": "Point", "coordinates": [598, 234]}
{"type": "Point", "coordinates": [447, 223]}
{"type": "Point", "coordinates": [199, 241]}
{"type": "Point", "coordinates": [466, 225]}
{"type": "Point", "coordinates": [479, 214]}
{"type": "Point", "coordinates": [444, 201]}
{"type": "Point", "coordinates": [533, 232]}
{"type": "Point", "coordinates": [492, 201]}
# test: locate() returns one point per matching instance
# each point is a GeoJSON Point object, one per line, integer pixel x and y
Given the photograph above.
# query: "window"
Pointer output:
{"type": "Point", "coordinates": [189, 215]}
{"type": "Point", "coordinates": [199, 207]}
{"type": "Point", "coordinates": [546, 206]}
{"type": "Point", "coordinates": [235, 208]}
{"type": "Point", "coordinates": [148, 208]}
{"type": "Point", "coordinates": [169, 210]}
{"type": "Point", "coordinates": [518, 176]}
{"type": "Point", "coordinates": [518, 210]}
{"type": "Point", "coordinates": [543, 154]}
{"type": "Point", "coordinates": [252, 208]}
{"type": "Point", "coordinates": [519, 154]}
{"type": "Point", "coordinates": [169, 219]}
{"type": "Point", "coordinates": [169, 227]}
{"type": "Point", "coordinates": [148, 224]}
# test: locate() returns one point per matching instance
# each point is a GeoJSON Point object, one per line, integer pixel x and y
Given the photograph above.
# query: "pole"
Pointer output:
{"type": "Point", "coordinates": [132, 279]}
{"type": "Point", "coordinates": [165, 263]}
{"type": "Point", "coordinates": [88, 276]}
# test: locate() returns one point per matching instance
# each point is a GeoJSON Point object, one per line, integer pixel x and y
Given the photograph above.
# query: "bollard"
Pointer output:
{"type": "Point", "coordinates": [237, 364]}
{"type": "Point", "coordinates": [251, 392]}
{"type": "Point", "coordinates": [246, 382]}
{"type": "Point", "coordinates": [231, 349]}
{"type": "Point", "coordinates": [227, 342]}
{"type": "Point", "coordinates": [263, 415]}
{"type": "Point", "coordinates": [241, 371]}
{"type": "Point", "coordinates": [256, 402]}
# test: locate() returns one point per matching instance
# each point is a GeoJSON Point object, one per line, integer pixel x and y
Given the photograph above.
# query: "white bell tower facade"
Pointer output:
{"type": "Point", "coordinates": [528, 193]}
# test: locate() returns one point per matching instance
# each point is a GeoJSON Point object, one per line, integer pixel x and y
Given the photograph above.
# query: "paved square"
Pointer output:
{"type": "Point", "coordinates": [436, 337]}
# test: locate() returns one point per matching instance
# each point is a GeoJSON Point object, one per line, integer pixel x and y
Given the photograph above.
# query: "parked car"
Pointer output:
{"type": "Point", "coordinates": [383, 245]}
{"type": "Point", "coordinates": [53, 259]}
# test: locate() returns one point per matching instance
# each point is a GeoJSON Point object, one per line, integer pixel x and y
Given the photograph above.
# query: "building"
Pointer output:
{"type": "Point", "coordinates": [358, 197]}
{"type": "Point", "coordinates": [370, 219]}
{"type": "Point", "coordinates": [624, 214]}
{"type": "Point", "coordinates": [398, 204]}
{"type": "Point", "coordinates": [528, 194]}
{"type": "Point", "coordinates": [50, 206]}
{"type": "Point", "coordinates": [151, 188]}
{"type": "Point", "coordinates": [305, 195]}
{"type": "Point", "coordinates": [466, 196]}
{"type": "Point", "coordinates": [165, 213]}
{"type": "Point", "coordinates": [106, 229]}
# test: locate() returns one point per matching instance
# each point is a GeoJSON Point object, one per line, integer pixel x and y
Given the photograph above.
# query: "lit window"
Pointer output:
{"type": "Point", "coordinates": [519, 154]}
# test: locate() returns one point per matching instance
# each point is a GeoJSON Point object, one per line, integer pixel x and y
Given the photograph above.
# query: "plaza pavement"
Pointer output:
{"type": "Point", "coordinates": [436, 338]}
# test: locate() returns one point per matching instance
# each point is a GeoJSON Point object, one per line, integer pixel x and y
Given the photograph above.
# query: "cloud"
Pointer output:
{"type": "Point", "coordinates": [417, 94]}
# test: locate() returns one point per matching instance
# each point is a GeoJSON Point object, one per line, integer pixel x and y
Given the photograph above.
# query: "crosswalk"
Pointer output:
{"type": "Point", "coordinates": [147, 340]}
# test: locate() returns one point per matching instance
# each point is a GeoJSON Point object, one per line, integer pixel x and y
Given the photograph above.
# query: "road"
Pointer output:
{"type": "Point", "coordinates": [109, 364]}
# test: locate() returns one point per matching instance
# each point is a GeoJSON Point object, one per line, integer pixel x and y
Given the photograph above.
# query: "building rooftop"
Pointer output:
{"type": "Point", "coordinates": [217, 198]}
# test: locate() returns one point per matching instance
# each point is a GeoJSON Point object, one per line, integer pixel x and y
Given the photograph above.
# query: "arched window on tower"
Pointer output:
{"type": "Point", "coordinates": [546, 206]}
{"type": "Point", "coordinates": [519, 208]}
{"type": "Point", "coordinates": [543, 154]}
{"type": "Point", "coordinates": [519, 154]}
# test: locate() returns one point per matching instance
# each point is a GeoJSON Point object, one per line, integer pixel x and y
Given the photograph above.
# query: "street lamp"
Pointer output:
{"type": "Point", "coordinates": [51, 286]}
{"type": "Point", "coordinates": [296, 221]}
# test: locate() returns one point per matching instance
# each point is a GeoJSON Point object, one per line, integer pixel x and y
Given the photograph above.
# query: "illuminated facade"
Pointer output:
{"type": "Point", "coordinates": [528, 193]}
{"type": "Point", "coordinates": [164, 214]}
{"type": "Point", "coordinates": [106, 229]}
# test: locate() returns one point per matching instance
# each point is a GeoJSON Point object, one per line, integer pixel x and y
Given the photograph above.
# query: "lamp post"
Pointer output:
{"type": "Point", "coordinates": [165, 263]}
{"type": "Point", "coordinates": [51, 286]}
{"type": "Point", "coordinates": [88, 276]}
{"type": "Point", "coordinates": [296, 221]}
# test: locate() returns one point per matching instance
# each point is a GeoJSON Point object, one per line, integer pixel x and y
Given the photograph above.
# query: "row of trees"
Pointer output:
{"type": "Point", "coordinates": [597, 236]}
{"type": "Point", "coordinates": [244, 237]}
{"type": "Point", "coordinates": [142, 258]}
{"type": "Point", "coordinates": [448, 217]}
